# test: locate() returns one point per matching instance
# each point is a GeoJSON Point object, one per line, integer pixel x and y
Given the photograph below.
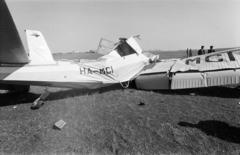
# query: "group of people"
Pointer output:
{"type": "Point", "coordinates": [200, 51]}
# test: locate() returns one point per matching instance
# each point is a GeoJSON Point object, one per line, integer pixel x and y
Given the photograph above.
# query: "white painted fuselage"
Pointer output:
{"type": "Point", "coordinates": [93, 74]}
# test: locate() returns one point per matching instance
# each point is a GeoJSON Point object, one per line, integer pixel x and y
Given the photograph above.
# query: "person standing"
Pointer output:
{"type": "Point", "coordinates": [201, 51]}
{"type": "Point", "coordinates": [211, 50]}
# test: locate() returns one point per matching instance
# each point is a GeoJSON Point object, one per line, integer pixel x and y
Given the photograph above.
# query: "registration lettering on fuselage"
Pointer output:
{"type": "Point", "coordinates": [218, 57]}
{"type": "Point", "coordinates": [88, 70]}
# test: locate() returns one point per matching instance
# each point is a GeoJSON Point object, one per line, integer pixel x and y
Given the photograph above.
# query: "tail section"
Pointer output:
{"type": "Point", "coordinates": [11, 47]}
{"type": "Point", "coordinates": [39, 52]}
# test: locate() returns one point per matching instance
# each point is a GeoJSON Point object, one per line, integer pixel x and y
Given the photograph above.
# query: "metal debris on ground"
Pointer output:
{"type": "Point", "coordinates": [59, 124]}
{"type": "Point", "coordinates": [14, 107]}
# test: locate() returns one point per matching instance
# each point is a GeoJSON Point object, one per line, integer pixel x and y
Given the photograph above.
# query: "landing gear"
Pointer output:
{"type": "Point", "coordinates": [39, 102]}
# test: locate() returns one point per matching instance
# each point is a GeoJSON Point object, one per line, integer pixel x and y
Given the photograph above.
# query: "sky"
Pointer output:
{"type": "Point", "coordinates": [78, 25]}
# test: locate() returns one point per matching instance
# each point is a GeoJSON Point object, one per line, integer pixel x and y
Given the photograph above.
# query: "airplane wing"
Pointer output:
{"type": "Point", "coordinates": [214, 69]}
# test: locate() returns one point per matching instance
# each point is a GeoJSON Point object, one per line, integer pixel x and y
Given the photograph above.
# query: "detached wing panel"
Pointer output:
{"type": "Point", "coordinates": [227, 59]}
{"type": "Point", "coordinates": [188, 80]}
{"type": "Point", "coordinates": [218, 78]}
{"type": "Point", "coordinates": [215, 69]}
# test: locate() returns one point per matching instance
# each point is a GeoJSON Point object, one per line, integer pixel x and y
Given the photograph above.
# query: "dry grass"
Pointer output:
{"type": "Point", "coordinates": [111, 121]}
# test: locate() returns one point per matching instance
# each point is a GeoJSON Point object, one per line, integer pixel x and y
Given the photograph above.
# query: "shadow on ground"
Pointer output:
{"type": "Point", "coordinates": [19, 98]}
{"type": "Point", "coordinates": [223, 92]}
{"type": "Point", "coordinates": [16, 98]}
{"type": "Point", "coordinates": [216, 129]}
{"type": "Point", "coordinates": [80, 92]}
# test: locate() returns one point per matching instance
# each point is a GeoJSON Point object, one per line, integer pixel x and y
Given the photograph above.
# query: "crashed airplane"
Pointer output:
{"type": "Point", "coordinates": [19, 70]}
{"type": "Point", "coordinates": [125, 62]}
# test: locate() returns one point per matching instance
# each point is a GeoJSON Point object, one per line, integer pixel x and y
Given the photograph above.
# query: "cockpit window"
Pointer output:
{"type": "Point", "coordinates": [124, 49]}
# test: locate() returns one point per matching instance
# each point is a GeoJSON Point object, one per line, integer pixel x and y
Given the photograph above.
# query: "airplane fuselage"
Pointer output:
{"type": "Point", "coordinates": [91, 74]}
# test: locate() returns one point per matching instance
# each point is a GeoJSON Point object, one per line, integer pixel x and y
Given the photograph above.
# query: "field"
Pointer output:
{"type": "Point", "coordinates": [122, 121]}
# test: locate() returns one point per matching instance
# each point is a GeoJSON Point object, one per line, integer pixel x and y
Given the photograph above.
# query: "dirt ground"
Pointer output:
{"type": "Point", "coordinates": [122, 121]}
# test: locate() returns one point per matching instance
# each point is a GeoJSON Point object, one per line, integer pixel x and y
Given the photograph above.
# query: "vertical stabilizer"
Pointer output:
{"type": "Point", "coordinates": [39, 52]}
{"type": "Point", "coordinates": [11, 47]}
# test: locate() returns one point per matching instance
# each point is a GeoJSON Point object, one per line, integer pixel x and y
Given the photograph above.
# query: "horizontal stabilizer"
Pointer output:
{"type": "Point", "coordinates": [39, 52]}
